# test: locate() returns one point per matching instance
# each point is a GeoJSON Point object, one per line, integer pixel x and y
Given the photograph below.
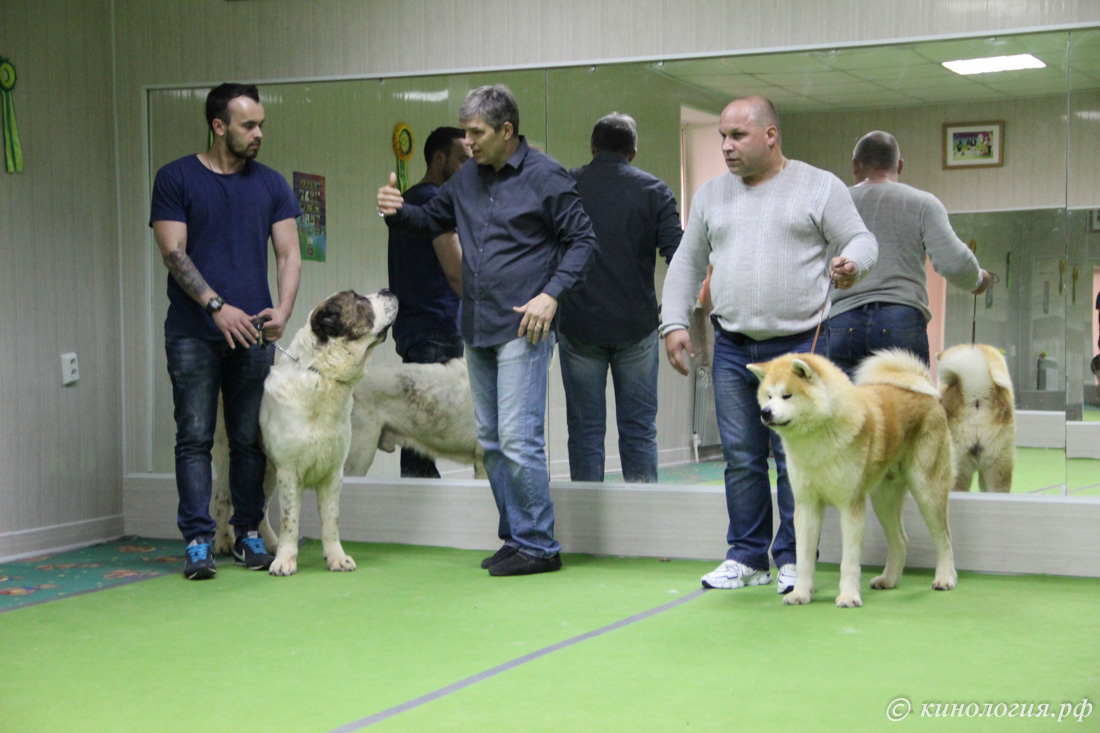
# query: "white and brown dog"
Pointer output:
{"type": "Point", "coordinates": [305, 420]}
{"type": "Point", "coordinates": [880, 437]}
{"type": "Point", "coordinates": [425, 407]}
{"type": "Point", "coordinates": [976, 392]}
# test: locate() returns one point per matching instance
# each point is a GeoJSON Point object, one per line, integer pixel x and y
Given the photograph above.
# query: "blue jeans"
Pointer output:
{"type": "Point", "coordinates": [634, 375]}
{"type": "Point", "coordinates": [745, 442]}
{"type": "Point", "coordinates": [435, 348]}
{"type": "Point", "coordinates": [508, 383]}
{"type": "Point", "coordinates": [855, 334]}
{"type": "Point", "coordinates": [199, 370]}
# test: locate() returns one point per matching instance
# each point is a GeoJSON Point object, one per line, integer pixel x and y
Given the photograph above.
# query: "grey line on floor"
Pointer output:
{"type": "Point", "coordinates": [461, 684]}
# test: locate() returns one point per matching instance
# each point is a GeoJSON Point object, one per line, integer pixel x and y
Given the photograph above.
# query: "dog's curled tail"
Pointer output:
{"type": "Point", "coordinates": [897, 368]}
{"type": "Point", "coordinates": [973, 369]}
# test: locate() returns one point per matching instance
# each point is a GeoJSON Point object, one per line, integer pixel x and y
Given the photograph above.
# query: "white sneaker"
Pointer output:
{"type": "Point", "coordinates": [784, 581]}
{"type": "Point", "coordinates": [732, 574]}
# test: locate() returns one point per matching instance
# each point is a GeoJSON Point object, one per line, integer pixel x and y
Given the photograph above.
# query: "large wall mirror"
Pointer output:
{"type": "Point", "coordinates": [1035, 219]}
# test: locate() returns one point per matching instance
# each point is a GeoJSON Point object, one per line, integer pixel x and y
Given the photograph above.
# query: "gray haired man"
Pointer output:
{"type": "Point", "coordinates": [526, 240]}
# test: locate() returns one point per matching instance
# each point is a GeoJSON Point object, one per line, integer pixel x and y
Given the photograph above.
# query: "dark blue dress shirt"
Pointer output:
{"type": "Point", "coordinates": [634, 216]}
{"type": "Point", "coordinates": [523, 231]}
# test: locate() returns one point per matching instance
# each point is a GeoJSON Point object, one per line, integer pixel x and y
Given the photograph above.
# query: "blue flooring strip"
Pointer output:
{"type": "Point", "coordinates": [462, 684]}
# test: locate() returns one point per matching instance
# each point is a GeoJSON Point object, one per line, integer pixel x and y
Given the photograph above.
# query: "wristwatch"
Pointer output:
{"type": "Point", "coordinates": [214, 304]}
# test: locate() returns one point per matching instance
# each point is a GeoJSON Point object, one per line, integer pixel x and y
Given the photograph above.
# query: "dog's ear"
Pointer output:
{"type": "Point", "coordinates": [326, 322]}
{"type": "Point", "coordinates": [803, 369]}
{"type": "Point", "coordinates": [756, 369]}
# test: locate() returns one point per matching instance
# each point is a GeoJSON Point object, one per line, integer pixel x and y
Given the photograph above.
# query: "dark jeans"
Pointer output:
{"type": "Point", "coordinates": [199, 370]}
{"type": "Point", "coordinates": [434, 349]}
{"type": "Point", "coordinates": [745, 443]}
{"type": "Point", "coordinates": [633, 368]}
{"type": "Point", "coordinates": [854, 335]}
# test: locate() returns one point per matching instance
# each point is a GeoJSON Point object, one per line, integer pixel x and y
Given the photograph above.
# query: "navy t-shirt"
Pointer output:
{"type": "Point", "coordinates": [229, 220]}
{"type": "Point", "coordinates": [426, 303]}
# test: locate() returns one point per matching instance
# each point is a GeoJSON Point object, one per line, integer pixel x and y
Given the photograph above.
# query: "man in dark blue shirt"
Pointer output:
{"type": "Point", "coordinates": [526, 239]}
{"type": "Point", "coordinates": [611, 320]}
{"type": "Point", "coordinates": [426, 329]}
{"type": "Point", "coordinates": [212, 216]}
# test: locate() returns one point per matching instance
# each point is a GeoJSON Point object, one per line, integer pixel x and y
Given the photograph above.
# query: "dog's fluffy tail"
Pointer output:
{"type": "Point", "coordinates": [975, 369]}
{"type": "Point", "coordinates": [897, 368]}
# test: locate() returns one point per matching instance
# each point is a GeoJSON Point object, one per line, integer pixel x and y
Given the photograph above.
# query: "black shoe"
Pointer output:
{"type": "Point", "coordinates": [522, 564]}
{"type": "Point", "coordinates": [503, 553]}
{"type": "Point", "coordinates": [199, 563]}
{"type": "Point", "coordinates": [249, 550]}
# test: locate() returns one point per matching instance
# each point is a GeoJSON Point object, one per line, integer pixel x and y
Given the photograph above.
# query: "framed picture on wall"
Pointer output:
{"type": "Point", "coordinates": [973, 144]}
{"type": "Point", "coordinates": [1094, 220]}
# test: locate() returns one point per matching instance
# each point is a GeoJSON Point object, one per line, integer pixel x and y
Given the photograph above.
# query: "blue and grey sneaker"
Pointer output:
{"type": "Point", "coordinates": [199, 563]}
{"type": "Point", "coordinates": [249, 550]}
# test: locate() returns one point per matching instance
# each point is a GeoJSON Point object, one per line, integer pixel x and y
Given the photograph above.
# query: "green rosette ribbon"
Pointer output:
{"type": "Point", "coordinates": [13, 154]}
{"type": "Point", "coordinates": [403, 143]}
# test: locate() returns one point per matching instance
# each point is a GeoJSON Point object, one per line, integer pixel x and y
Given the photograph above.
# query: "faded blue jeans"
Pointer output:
{"type": "Point", "coordinates": [199, 370]}
{"type": "Point", "coordinates": [745, 443]}
{"type": "Point", "coordinates": [634, 376]}
{"type": "Point", "coordinates": [853, 335]}
{"type": "Point", "coordinates": [508, 383]}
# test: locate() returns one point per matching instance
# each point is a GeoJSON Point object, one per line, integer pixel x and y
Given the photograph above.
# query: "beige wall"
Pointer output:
{"type": "Point", "coordinates": [76, 259]}
{"type": "Point", "coordinates": [60, 447]}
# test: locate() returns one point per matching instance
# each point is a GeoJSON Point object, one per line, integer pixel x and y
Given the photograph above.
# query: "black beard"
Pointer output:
{"type": "Point", "coordinates": [241, 153]}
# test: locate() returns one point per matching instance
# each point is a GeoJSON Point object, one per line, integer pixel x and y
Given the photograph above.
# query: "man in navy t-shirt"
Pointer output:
{"type": "Point", "coordinates": [212, 215]}
{"type": "Point", "coordinates": [426, 277]}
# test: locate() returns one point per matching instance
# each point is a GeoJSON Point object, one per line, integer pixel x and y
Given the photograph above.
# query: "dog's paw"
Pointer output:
{"type": "Point", "coordinates": [283, 566]}
{"type": "Point", "coordinates": [342, 564]}
{"type": "Point", "coordinates": [849, 600]}
{"type": "Point", "coordinates": [797, 598]}
{"type": "Point", "coordinates": [948, 583]}
{"type": "Point", "coordinates": [223, 544]}
{"type": "Point", "coordinates": [882, 583]}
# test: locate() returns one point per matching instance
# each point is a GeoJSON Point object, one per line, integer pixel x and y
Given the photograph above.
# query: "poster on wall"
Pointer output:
{"type": "Point", "coordinates": [310, 190]}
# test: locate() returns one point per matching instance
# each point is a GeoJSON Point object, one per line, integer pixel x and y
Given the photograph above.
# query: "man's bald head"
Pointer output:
{"type": "Point", "coordinates": [877, 151]}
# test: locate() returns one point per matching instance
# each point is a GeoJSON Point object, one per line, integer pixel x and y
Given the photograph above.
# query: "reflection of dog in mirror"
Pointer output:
{"type": "Point", "coordinates": [425, 407]}
{"type": "Point", "coordinates": [976, 392]}
{"type": "Point", "coordinates": [844, 442]}
{"type": "Point", "coordinates": [305, 419]}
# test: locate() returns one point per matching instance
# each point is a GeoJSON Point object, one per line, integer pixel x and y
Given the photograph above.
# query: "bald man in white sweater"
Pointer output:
{"type": "Point", "coordinates": [776, 232]}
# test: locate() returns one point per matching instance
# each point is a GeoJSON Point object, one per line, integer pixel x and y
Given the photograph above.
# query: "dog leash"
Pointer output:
{"type": "Point", "coordinates": [821, 317]}
{"type": "Point", "coordinates": [259, 324]}
{"type": "Point", "coordinates": [292, 357]}
{"type": "Point", "coordinates": [993, 280]}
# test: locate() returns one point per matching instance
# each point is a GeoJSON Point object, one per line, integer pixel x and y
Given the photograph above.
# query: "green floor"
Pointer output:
{"type": "Point", "coordinates": [323, 652]}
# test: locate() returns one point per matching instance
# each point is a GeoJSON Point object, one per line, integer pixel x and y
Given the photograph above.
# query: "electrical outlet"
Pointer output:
{"type": "Point", "coordinates": [70, 369]}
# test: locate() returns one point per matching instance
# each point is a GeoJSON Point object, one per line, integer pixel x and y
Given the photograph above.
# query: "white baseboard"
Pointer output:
{"type": "Point", "coordinates": [1040, 429]}
{"type": "Point", "coordinates": [1000, 534]}
{"type": "Point", "coordinates": [59, 537]}
{"type": "Point", "coordinates": [1083, 439]}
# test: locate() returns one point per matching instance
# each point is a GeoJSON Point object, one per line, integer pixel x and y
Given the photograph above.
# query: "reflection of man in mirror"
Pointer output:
{"type": "Point", "coordinates": [610, 322]}
{"type": "Point", "coordinates": [1094, 365]}
{"type": "Point", "coordinates": [889, 307]}
{"type": "Point", "coordinates": [526, 239]}
{"type": "Point", "coordinates": [769, 230]}
{"type": "Point", "coordinates": [426, 277]}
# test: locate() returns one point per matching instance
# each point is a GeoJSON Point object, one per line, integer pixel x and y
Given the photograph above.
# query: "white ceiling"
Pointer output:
{"type": "Point", "coordinates": [897, 76]}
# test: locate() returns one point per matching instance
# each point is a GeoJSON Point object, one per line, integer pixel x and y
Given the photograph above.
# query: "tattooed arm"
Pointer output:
{"type": "Point", "coordinates": [171, 237]}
